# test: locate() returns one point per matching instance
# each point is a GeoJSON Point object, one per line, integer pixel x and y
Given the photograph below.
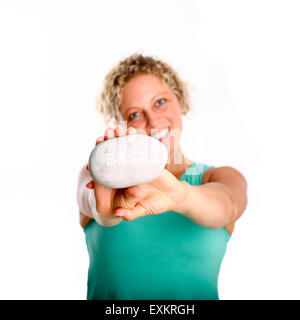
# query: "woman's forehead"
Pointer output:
{"type": "Point", "coordinates": [143, 87]}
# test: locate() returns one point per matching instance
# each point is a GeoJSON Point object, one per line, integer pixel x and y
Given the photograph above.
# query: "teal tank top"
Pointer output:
{"type": "Point", "coordinates": [164, 257]}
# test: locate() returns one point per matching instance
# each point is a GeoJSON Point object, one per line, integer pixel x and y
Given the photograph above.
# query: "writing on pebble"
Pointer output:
{"type": "Point", "coordinates": [126, 161]}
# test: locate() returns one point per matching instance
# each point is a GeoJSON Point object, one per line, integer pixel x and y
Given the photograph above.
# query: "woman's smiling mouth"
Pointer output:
{"type": "Point", "coordinates": [161, 134]}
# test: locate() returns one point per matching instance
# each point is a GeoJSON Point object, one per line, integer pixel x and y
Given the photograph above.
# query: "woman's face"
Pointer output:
{"type": "Point", "coordinates": [152, 108]}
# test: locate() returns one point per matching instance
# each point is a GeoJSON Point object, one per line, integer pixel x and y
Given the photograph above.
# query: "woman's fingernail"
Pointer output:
{"type": "Point", "coordinates": [99, 139]}
{"type": "Point", "coordinates": [89, 185]}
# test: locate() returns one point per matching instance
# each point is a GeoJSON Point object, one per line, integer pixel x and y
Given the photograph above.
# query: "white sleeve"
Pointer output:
{"type": "Point", "coordinates": [92, 203]}
{"type": "Point", "coordinates": [100, 218]}
{"type": "Point", "coordinates": [87, 202]}
{"type": "Point", "coordinates": [83, 192]}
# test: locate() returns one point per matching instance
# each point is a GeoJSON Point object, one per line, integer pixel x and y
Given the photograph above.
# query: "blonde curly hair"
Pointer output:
{"type": "Point", "coordinates": [109, 99]}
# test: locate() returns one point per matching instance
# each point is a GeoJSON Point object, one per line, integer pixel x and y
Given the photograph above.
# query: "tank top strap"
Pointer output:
{"type": "Point", "coordinates": [193, 175]}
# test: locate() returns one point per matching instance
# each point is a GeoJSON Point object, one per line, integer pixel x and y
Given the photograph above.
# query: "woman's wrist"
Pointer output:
{"type": "Point", "coordinates": [182, 197]}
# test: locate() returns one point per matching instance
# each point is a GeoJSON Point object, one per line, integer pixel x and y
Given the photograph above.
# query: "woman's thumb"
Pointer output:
{"type": "Point", "coordinates": [132, 195]}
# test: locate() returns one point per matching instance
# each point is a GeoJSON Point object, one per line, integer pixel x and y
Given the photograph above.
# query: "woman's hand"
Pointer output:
{"type": "Point", "coordinates": [165, 193]}
{"type": "Point", "coordinates": [107, 200]}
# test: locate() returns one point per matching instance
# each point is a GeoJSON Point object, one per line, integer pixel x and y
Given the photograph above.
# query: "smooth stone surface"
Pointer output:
{"type": "Point", "coordinates": [127, 161]}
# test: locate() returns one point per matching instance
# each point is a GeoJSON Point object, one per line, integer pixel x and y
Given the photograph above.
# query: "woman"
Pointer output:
{"type": "Point", "coordinates": [165, 239]}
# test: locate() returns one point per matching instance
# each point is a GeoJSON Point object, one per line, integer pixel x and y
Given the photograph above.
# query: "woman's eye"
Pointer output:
{"type": "Point", "coordinates": [160, 101]}
{"type": "Point", "coordinates": [133, 115]}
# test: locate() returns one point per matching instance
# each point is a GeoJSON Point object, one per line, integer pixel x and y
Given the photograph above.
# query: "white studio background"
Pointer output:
{"type": "Point", "coordinates": [241, 58]}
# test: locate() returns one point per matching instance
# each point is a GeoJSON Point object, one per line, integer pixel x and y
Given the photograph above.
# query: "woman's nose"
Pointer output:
{"type": "Point", "coordinates": [154, 120]}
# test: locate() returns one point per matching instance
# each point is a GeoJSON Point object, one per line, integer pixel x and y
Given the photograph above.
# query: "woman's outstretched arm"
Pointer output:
{"type": "Point", "coordinates": [215, 204]}
{"type": "Point", "coordinates": [219, 201]}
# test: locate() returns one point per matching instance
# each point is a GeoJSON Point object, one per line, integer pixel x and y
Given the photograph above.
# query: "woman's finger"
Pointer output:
{"type": "Point", "coordinates": [90, 184]}
{"type": "Point", "coordinates": [120, 131]}
{"type": "Point", "coordinates": [99, 140]}
{"type": "Point", "coordinates": [128, 215]}
{"type": "Point", "coordinates": [109, 133]}
{"type": "Point", "coordinates": [133, 193]}
{"type": "Point", "coordinates": [131, 130]}
{"type": "Point", "coordinates": [127, 198]}
{"type": "Point", "coordinates": [130, 197]}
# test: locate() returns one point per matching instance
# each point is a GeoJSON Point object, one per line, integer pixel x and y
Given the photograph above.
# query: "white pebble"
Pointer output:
{"type": "Point", "coordinates": [127, 161]}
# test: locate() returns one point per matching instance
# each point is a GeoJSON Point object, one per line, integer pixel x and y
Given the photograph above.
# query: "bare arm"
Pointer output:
{"type": "Point", "coordinates": [219, 201]}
